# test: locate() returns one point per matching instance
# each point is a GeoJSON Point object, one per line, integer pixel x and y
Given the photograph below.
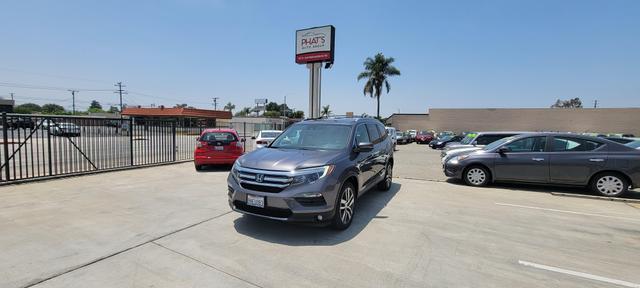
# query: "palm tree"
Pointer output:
{"type": "Point", "coordinates": [325, 111]}
{"type": "Point", "coordinates": [377, 70]}
{"type": "Point", "coordinates": [229, 107]}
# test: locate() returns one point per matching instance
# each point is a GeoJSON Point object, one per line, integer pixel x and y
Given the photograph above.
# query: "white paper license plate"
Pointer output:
{"type": "Point", "coordinates": [255, 201]}
{"type": "Point", "coordinates": [218, 148]}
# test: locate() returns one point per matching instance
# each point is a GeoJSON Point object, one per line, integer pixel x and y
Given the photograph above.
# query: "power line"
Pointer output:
{"type": "Point", "coordinates": [43, 87]}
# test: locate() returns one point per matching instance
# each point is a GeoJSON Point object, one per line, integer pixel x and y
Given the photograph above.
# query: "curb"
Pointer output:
{"type": "Point", "coordinates": [596, 197]}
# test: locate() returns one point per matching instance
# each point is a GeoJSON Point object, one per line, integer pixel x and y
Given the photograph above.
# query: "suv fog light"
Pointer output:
{"type": "Point", "coordinates": [319, 217]}
{"type": "Point", "coordinates": [311, 195]}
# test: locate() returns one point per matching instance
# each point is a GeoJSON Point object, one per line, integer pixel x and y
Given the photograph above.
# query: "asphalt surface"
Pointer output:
{"type": "Point", "coordinates": [170, 226]}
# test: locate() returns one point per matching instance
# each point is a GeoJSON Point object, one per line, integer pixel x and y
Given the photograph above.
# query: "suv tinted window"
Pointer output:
{"type": "Point", "coordinates": [382, 130]}
{"type": "Point", "coordinates": [531, 144]}
{"type": "Point", "coordinates": [361, 134]}
{"type": "Point", "coordinates": [487, 139]}
{"type": "Point", "coordinates": [374, 134]}
{"type": "Point", "coordinates": [568, 144]}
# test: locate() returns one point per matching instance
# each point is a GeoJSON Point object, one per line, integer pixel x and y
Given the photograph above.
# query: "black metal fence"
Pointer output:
{"type": "Point", "coordinates": [47, 146]}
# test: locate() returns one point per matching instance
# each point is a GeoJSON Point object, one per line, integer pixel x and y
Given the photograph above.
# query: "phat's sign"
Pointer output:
{"type": "Point", "coordinates": [315, 44]}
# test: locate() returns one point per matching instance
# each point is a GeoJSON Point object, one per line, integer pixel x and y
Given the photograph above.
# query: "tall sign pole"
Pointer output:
{"type": "Point", "coordinates": [315, 47]}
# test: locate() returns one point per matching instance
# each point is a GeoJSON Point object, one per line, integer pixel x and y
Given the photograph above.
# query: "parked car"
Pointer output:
{"type": "Point", "coordinates": [64, 129]}
{"type": "Point", "coordinates": [265, 137]}
{"type": "Point", "coordinates": [217, 147]}
{"type": "Point", "coordinates": [607, 167]}
{"type": "Point", "coordinates": [315, 171]}
{"type": "Point", "coordinates": [619, 140]}
{"type": "Point", "coordinates": [439, 143]}
{"type": "Point", "coordinates": [634, 144]}
{"type": "Point", "coordinates": [20, 122]}
{"type": "Point", "coordinates": [424, 137]}
{"type": "Point", "coordinates": [445, 134]}
{"type": "Point", "coordinates": [392, 133]}
{"type": "Point", "coordinates": [403, 138]}
{"type": "Point", "coordinates": [412, 135]}
{"type": "Point", "coordinates": [474, 141]}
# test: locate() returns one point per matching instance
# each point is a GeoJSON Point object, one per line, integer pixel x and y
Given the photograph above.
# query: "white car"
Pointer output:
{"type": "Point", "coordinates": [265, 137]}
{"type": "Point", "coordinates": [392, 133]}
{"type": "Point", "coordinates": [65, 129]}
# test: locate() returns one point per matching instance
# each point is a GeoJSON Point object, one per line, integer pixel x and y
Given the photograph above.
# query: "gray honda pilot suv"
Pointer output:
{"type": "Point", "coordinates": [314, 171]}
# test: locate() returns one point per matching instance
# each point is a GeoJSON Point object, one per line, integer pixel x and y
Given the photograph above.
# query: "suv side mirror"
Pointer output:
{"type": "Point", "coordinates": [363, 147]}
{"type": "Point", "coordinates": [503, 150]}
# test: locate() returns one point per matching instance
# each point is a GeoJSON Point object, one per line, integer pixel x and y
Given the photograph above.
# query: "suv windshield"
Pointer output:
{"type": "Point", "coordinates": [314, 136]}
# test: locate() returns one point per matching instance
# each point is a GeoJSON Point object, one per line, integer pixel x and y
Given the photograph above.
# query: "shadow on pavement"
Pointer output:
{"type": "Point", "coordinates": [368, 207]}
{"type": "Point", "coordinates": [540, 188]}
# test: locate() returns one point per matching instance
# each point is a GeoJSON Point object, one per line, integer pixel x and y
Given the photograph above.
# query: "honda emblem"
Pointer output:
{"type": "Point", "coordinates": [259, 178]}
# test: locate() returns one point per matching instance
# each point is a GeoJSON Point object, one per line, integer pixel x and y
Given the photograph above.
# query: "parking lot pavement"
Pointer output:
{"type": "Point", "coordinates": [419, 234]}
{"type": "Point", "coordinates": [418, 161]}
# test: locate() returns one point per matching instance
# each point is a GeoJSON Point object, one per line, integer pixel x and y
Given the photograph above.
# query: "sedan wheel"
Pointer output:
{"type": "Point", "coordinates": [610, 185]}
{"type": "Point", "coordinates": [476, 176]}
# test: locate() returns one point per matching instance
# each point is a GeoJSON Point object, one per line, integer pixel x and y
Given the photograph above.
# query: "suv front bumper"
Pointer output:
{"type": "Point", "coordinates": [287, 205]}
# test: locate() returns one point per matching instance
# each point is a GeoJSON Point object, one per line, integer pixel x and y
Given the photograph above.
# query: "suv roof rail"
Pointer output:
{"type": "Point", "coordinates": [341, 117]}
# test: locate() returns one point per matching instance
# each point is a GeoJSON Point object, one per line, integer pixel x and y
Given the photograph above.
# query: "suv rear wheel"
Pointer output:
{"type": "Point", "coordinates": [345, 207]}
{"type": "Point", "coordinates": [385, 184]}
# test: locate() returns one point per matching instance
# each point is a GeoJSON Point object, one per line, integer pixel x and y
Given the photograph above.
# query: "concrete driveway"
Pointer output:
{"type": "Point", "coordinates": [170, 226]}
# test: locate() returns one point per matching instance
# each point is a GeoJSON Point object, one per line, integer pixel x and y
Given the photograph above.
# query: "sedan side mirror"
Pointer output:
{"type": "Point", "coordinates": [253, 137]}
{"type": "Point", "coordinates": [503, 150]}
{"type": "Point", "coordinates": [363, 147]}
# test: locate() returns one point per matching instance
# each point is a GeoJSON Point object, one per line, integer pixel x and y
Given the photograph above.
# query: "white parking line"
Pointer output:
{"type": "Point", "coordinates": [567, 211]}
{"type": "Point", "coordinates": [579, 274]}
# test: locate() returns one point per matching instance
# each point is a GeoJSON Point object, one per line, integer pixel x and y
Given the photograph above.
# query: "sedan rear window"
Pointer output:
{"type": "Point", "coordinates": [269, 134]}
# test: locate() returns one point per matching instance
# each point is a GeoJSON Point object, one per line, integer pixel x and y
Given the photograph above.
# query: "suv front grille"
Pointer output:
{"type": "Point", "coordinates": [263, 180]}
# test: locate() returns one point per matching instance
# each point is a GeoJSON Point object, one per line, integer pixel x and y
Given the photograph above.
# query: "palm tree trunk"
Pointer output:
{"type": "Point", "coordinates": [378, 113]}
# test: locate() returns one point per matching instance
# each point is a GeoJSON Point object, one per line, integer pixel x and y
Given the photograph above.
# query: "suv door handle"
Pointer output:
{"type": "Point", "coordinates": [596, 160]}
{"type": "Point", "coordinates": [537, 159]}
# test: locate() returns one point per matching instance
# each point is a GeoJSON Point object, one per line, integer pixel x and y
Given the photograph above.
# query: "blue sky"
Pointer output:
{"type": "Point", "coordinates": [451, 53]}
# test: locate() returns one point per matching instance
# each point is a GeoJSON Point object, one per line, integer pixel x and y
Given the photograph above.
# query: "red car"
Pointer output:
{"type": "Point", "coordinates": [424, 137]}
{"type": "Point", "coordinates": [217, 147]}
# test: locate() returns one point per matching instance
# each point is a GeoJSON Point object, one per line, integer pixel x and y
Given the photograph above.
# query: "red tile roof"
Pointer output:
{"type": "Point", "coordinates": [176, 112]}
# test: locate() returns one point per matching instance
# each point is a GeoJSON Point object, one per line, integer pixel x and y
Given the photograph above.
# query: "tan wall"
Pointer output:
{"type": "Point", "coordinates": [602, 120]}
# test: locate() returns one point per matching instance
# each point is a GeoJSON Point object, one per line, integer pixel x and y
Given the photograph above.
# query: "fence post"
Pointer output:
{"type": "Point", "coordinates": [49, 147]}
{"type": "Point", "coordinates": [244, 131]}
{"type": "Point", "coordinates": [5, 136]}
{"type": "Point", "coordinates": [131, 139]}
{"type": "Point", "coordinates": [173, 143]}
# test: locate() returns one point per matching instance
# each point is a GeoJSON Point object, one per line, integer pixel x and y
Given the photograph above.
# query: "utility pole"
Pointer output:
{"type": "Point", "coordinates": [73, 99]}
{"type": "Point", "coordinates": [120, 91]}
{"type": "Point", "coordinates": [215, 103]}
{"type": "Point", "coordinates": [595, 104]}
{"type": "Point", "coordinates": [11, 95]}
{"type": "Point", "coordinates": [284, 107]}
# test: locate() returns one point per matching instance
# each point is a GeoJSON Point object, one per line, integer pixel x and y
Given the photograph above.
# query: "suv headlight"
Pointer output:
{"type": "Point", "coordinates": [234, 171]}
{"type": "Point", "coordinates": [310, 175]}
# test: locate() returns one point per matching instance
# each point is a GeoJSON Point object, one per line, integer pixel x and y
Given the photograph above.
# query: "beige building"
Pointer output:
{"type": "Point", "coordinates": [600, 120]}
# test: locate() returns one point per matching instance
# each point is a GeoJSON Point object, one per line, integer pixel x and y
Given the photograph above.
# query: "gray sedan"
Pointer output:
{"type": "Point", "coordinates": [607, 167]}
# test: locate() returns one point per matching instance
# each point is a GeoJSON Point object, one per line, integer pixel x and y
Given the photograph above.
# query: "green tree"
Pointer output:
{"type": "Point", "coordinates": [298, 114]}
{"type": "Point", "coordinates": [113, 109]}
{"type": "Point", "coordinates": [273, 106]}
{"type": "Point", "coordinates": [95, 104]}
{"type": "Point", "coordinates": [325, 111]}
{"type": "Point", "coordinates": [244, 112]}
{"type": "Point", "coordinates": [571, 103]}
{"type": "Point", "coordinates": [183, 105]}
{"type": "Point", "coordinates": [27, 108]}
{"type": "Point", "coordinates": [229, 107]}
{"type": "Point", "coordinates": [377, 70]}
{"type": "Point", "coordinates": [51, 108]}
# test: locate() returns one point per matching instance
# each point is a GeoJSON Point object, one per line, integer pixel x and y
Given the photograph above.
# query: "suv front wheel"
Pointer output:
{"type": "Point", "coordinates": [345, 207]}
